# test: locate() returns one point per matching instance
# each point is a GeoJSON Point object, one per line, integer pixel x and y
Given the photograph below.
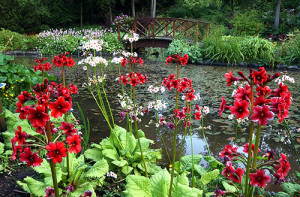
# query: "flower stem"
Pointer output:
{"type": "Point", "coordinates": [257, 138]}
{"type": "Point", "coordinates": [137, 133]}
{"type": "Point", "coordinates": [175, 135]}
{"type": "Point", "coordinates": [63, 72]}
{"type": "Point", "coordinates": [192, 149]}
{"type": "Point", "coordinates": [250, 143]}
{"type": "Point", "coordinates": [236, 127]}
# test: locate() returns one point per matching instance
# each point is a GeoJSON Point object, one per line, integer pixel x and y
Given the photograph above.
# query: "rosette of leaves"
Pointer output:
{"type": "Point", "coordinates": [158, 186]}
{"type": "Point", "coordinates": [204, 178]}
{"type": "Point", "coordinates": [122, 152]}
{"type": "Point", "coordinates": [82, 177]}
{"type": "Point", "coordinates": [291, 189]}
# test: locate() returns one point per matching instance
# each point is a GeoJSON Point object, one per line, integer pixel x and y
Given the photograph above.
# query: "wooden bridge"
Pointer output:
{"type": "Point", "coordinates": [159, 32]}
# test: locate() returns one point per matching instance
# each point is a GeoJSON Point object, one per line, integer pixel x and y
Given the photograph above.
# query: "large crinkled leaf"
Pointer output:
{"type": "Point", "coordinates": [98, 170]}
{"type": "Point", "coordinates": [130, 142]}
{"type": "Point", "coordinates": [105, 144]}
{"type": "Point", "coordinates": [118, 137]}
{"type": "Point", "coordinates": [24, 186]}
{"type": "Point", "coordinates": [137, 186]}
{"type": "Point", "coordinates": [183, 190]}
{"type": "Point", "coordinates": [93, 154]}
{"type": "Point", "coordinates": [187, 161]}
{"type": "Point", "coordinates": [228, 187]}
{"type": "Point", "coordinates": [213, 163]}
{"type": "Point", "coordinates": [200, 170]}
{"type": "Point", "coordinates": [111, 154]}
{"type": "Point", "coordinates": [209, 176]}
{"type": "Point", "coordinates": [35, 187]}
{"type": "Point", "coordinates": [127, 169]}
{"type": "Point", "coordinates": [120, 163]}
{"type": "Point", "coordinates": [81, 190]}
{"type": "Point", "coordinates": [290, 187]}
{"type": "Point", "coordinates": [160, 183]}
{"type": "Point", "coordinates": [182, 179]}
{"type": "Point", "coordinates": [282, 194]}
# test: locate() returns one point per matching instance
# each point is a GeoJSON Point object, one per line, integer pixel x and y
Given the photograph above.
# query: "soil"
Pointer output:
{"type": "Point", "coordinates": [8, 182]}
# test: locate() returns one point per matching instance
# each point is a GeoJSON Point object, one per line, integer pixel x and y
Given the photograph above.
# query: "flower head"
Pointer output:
{"type": "Point", "coordinates": [32, 159]}
{"type": "Point", "coordinates": [59, 107]}
{"type": "Point", "coordinates": [259, 179]}
{"type": "Point", "coordinates": [74, 143]}
{"type": "Point", "coordinates": [56, 151]}
{"type": "Point", "coordinates": [240, 109]}
{"type": "Point", "coordinates": [262, 114]}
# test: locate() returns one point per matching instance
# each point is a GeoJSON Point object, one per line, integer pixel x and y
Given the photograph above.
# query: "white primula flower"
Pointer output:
{"type": "Point", "coordinates": [231, 116]}
{"type": "Point", "coordinates": [162, 89]}
{"type": "Point", "coordinates": [206, 109]}
{"type": "Point", "coordinates": [130, 40]}
{"type": "Point", "coordinates": [156, 89]}
{"type": "Point", "coordinates": [85, 68]}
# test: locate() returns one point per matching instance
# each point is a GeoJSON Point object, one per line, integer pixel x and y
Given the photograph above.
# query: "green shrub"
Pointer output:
{"type": "Point", "coordinates": [291, 48]}
{"type": "Point", "coordinates": [178, 46]}
{"type": "Point", "coordinates": [12, 40]}
{"type": "Point", "coordinates": [256, 49]}
{"type": "Point", "coordinates": [195, 53]}
{"type": "Point", "coordinates": [247, 23]}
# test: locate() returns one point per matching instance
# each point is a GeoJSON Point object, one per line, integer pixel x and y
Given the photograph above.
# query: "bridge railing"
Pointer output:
{"type": "Point", "coordinates": [148, 28]}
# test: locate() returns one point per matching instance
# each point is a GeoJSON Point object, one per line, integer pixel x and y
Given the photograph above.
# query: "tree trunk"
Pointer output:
{"type": "Point", "coordinates": [151, 8]}
{"type": "Point", "coordinates": [154, 8]}
{"type": "Point", "coordinates": [133, 8]}
{"type": "Point", "coordinates": [110, 14]}
{"type": "Point", "coordinates": [276, 23]}
{"type": "Point", "coordinates": [81, 14]}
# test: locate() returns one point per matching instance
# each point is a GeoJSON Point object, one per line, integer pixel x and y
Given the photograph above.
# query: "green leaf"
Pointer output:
{"type": "Point", "coordinates": [160, 183]}
{"type": "Point", "coordinates": [111, 153]}
{"type": "Point", "coordinates": [209, 176]}
{"type": "Point", "coordinates": [127, 169]}
{"type": "Point", "coordinates": [290, 187]}
{"type": "Point", "coordinates": [282, 194]}
{"type": "Point", "coordinates": [200, 170]}
{"type": "Point", "coordinates": [24, 186]}
{"type": "Point", "coordinates": [229, 187]}
{"type": "Point", "coordinates": [1, 148]}
{"type": "Point", "coordinates": [35, 187]}
{"type": "Point", "coordinates": [137, 186]}
{"type": "Point", "coordinates": [186, 162]}
{"type": "Point", "coordinates": [297, 175]}
{"type": "Point", "coordinates": [120, 163]}
{"type": "Point", "coordinates": [93, 154]}
{"type": "Point", "coordinates": [213, 163]}
{"type": "Point", "coordinates": [98, 170]}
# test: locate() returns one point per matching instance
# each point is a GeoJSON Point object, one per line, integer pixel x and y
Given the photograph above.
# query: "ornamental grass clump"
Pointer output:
{"type": "Point", "coordinates": [255, 100]}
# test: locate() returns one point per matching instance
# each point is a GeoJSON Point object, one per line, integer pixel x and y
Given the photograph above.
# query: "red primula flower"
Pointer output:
{"type": "Point", "coordinates": [184, 60]}
{"type": "Point", "coordinates": [223, 106]}
{"type": "Point", "coordinates": [68, 128]}
{"type": "Point", "coordinates": [70, 62]}
{"type": "Point", "coordinates": [261, 101]}
{"type": "Point", "coordinates": [141, 61]}
{"type": "Point", "coordinates": [283, 168]}
{"type": "Point", "coordinates": [240, 109]}
{"type": "Point", "coordinates": [169, 60]}
{"type": "Point", "coordinates": [20, 136]}
{"type": "Point", "coordinates": [262, 91]}
{"type": "Point", "coordinates": [59, 107]}
{"type": "Point", "coordinates": [24, 97]}
{"type": "Point", "coordinates": [262, 114]}
{"type": "Point", "coordinates": [282, 112]}
{"type": "Point", "coordinates": [246, 149]}
{"type": "Point", "coordinates": [190, 96]}
{"type": "Point", "coordinates": [237, 175]}
{"type": "Point", "coordinates": [243, 93]}
{"type": "Point", "coordinates": [50, 192]}
{"type": "Point", "coordinates": [56, 151]}
{"type": "Point", "coordinates": [179, 114]}
{"type": "Point", "coordinates": [259, 179]}
{"type": "Point", "coordinates": [123, 62]}
{"type": "Point", "coordinates": [231, 78]}
{"type": "Point", "coordinates": [37, 116]}
{"type": "Point", "coordinates": [75, 143]}
{"type": "Point", "coordinates": [23, 110]}
{"type": "Point", "coordinates": [228, 151]}
{"type": "Point", "coordinates": [31, 159]}
{"type": "Point", "coordinates": [198, 108]}
{"type": "Point", "coordinates": [133, 81]}
{"type": "Point", "coordinates": [198, 115]}
{"type": "Point", "coordinates": [123, 79]}
{"type": "Point", "coordinates": [73, 89]}
{"type": "Point", "coordinates": [15, 150]}
{"type": "Point", "coordinates": [260, 76]}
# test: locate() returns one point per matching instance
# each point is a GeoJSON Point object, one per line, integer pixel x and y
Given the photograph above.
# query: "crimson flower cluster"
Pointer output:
{"type": "Point", "coordinates": [47, 97]}
{"type": "Point", "coordinates": [133, 79]}
{"type": "Point", "coordinates": [41, 66]}
{"type": "Point", "coordinates": [267, 102]}
{"type": "Point", "coordinates": [178, 58]}
{"type": "Point", "coordinates": [131, 60]}
{"type": "Point", "coordinates": [279, 168]}
{"type": "Point", "coordinates": [63, 60]}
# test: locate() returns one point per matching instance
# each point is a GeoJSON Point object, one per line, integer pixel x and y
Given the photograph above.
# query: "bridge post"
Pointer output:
{"type": "Point", "coordinates": [153, 27]}
{"type": "Point", "coordinates": [207, 29]}
{"type": "Point", "coordinates": [197, 32]}
{"type": "Point", "coordinates": [173, 28]}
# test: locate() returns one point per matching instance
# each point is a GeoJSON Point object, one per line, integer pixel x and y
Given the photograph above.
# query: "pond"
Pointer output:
{"type": "Point", "coordinates": [210, 83]}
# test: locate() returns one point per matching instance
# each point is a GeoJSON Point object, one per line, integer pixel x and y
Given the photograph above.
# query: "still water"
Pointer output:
{"type": "Point", "coordinates": [210, 83]}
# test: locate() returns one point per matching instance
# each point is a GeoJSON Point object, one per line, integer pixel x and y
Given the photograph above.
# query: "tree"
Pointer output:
{"type": "Point", "coordinates": [276, 22]}
{"type": "Point", "coordinates": [153, 8]}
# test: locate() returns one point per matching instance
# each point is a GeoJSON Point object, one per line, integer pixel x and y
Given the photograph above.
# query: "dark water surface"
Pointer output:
{"type": "Point", "coordinates": [210, 83]}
